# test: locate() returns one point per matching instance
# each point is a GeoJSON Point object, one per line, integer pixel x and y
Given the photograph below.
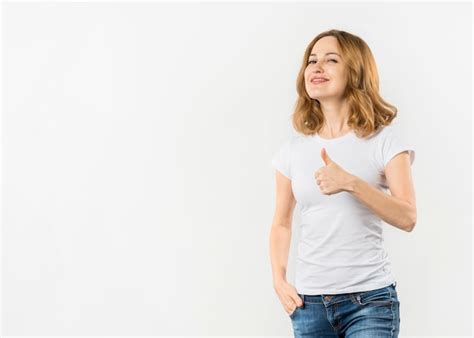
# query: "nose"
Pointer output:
{"type": "Point", "coordinates": [317, 67]}
{"type": "Point", "coordinates": [317, 70]}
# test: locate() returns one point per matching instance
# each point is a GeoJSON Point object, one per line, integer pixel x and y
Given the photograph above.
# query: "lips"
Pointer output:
{"type": "Point", "coordinates": [318, 79]}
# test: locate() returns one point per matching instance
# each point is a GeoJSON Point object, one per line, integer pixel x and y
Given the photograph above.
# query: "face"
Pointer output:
{"type": "Point", "coordinates": [327, 66]}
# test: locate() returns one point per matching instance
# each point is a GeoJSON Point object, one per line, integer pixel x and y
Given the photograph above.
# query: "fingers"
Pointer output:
{"type": "Point", "coordinates": [297, 299]}
{"type": "Point", "coordinates": [291, 308]}
{"type": "Point", "coordinates": [289, 297]}
{"type": "Point", "coordinates": [318, 175]}
{"type": "Point", "coordinates": [295, 302]}
{"type": "Point", "coordinates": [317, 178]}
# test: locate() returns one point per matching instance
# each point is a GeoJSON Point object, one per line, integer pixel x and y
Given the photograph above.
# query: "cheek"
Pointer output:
{"type": "Point", "coordinates": [339, 77]}
{"type": "Point", "coordinates": [335, 73]}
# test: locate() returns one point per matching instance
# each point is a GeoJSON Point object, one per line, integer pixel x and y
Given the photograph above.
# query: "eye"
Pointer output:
{"type": "Point", "coordinates": [309, 62]}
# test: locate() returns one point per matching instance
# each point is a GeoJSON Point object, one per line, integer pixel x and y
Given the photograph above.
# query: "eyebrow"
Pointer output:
{"type": "Point", "coordinates": [326, 54]}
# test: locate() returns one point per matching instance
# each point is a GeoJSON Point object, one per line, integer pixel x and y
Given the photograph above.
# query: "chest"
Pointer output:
{"type": "Point", "coordinates": [356, 158]}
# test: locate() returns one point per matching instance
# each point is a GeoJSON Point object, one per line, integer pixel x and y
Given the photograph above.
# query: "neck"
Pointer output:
{"type": "Point", "coordinates": [336, 114]}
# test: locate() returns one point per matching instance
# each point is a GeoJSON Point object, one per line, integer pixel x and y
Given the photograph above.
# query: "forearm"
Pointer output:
{"type": "Point", "coordinates": [390, 209]}
{"type": "Point", "coordinates": [280, 240]}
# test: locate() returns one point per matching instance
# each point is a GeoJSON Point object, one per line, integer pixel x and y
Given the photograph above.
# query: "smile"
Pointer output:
{"type": "Point", "coordinates": [318, 81]}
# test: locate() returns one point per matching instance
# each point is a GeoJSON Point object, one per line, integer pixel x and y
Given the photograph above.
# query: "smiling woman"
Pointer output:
{"type": "Point", "coordinates": [349, 71]}
{"type": "Point", "coordinates": [345, 154]}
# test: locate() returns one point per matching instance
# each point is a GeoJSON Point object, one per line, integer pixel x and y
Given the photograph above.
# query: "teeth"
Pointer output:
{"type": "Point", "coordinates": [318, 80]}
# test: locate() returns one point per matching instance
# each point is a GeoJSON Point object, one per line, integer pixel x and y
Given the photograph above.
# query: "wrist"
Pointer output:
{"type": "Point", "coordinates": [351, 184]}
{"type": "Point", "coordinates": [278, 281]}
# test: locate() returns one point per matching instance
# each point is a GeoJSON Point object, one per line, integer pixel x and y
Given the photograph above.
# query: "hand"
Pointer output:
{"type": "Point", "coordinates": [331, 178]}
{"type": "Point", "coordinates": [289, 297]}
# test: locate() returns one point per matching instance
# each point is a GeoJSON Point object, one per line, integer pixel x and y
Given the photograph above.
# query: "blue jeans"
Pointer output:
{"type": "Point", "coordinates": [374, 313]}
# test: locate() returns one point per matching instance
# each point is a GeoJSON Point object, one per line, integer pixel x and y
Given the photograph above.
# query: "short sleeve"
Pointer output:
{"type": "Point", "coordinates": [392, 144]}
{"type": "Point", "coordinates": [281, 159]}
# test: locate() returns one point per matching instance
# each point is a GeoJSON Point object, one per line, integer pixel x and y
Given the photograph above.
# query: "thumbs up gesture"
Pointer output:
{"type": "Point", "coordinates": [331, 178]}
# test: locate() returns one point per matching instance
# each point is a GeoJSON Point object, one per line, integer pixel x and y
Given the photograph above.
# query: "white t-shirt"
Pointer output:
{"type": "Point", "coordinates": [340, 249]}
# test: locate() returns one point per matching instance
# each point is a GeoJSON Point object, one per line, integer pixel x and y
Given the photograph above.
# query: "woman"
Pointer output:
{"type": "Point", "coordinates": [337, 167]}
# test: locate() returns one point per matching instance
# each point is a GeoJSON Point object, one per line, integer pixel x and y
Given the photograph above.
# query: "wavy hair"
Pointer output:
{"type": "Point", "coordinates": [368, 111]}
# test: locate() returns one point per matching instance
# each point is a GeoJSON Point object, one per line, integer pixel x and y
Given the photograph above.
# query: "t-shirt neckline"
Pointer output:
{"type": "Point", "coordinates": [333, 140]}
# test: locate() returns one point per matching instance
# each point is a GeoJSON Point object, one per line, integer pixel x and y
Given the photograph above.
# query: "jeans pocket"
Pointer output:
{"type": "Point", "coordinates": [292, 315]}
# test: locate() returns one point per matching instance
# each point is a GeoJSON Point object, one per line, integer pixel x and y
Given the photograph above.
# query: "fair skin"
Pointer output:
{"type": "Point", "coordinates": [397, 209]}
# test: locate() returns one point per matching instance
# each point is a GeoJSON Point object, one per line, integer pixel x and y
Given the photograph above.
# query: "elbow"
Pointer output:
{"type": "Point", "coordinates": [411, 223]}
{"type": "Point", "coordinates": [410, 227]}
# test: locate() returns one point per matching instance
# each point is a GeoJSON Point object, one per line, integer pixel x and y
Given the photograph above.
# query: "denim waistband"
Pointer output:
{"type": "Point", "coordinates": [327, 297]}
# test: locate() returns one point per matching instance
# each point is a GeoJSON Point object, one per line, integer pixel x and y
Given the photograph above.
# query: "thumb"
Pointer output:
{"type": "Point", "coordinates": [325, 157]}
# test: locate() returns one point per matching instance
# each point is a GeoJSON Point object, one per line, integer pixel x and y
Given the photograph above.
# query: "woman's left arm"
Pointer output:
{"type": "Point", "coordinates": [397, 209]}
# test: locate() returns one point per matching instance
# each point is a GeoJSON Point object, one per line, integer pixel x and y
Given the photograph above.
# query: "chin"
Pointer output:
{"type": "Point", "coordinates": [319, 96]}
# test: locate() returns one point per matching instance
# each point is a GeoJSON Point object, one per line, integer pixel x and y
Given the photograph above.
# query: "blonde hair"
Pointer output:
{"type": "Point", "coordinates": [368, 111]}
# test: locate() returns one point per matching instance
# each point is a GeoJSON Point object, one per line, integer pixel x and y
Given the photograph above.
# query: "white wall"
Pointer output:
{"type": "Point", "coordinates": [137, 187]}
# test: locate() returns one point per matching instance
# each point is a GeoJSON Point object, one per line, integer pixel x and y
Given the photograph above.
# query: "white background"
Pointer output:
{"type": "Point", "coordinates": [137, 188]}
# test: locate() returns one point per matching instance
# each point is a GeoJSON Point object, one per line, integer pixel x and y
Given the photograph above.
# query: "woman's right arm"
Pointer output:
{"type": "Point", "coordinates": [280, 235]}
{"type": "Point", "coordinates": [280, 240]}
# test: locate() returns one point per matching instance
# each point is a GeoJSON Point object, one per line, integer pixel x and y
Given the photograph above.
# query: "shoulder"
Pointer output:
{"type": "Point", "coordinates": [385, 134]}
{"type": "Point", "coordinates": [392, 140]}
{"type": "Point", "coordinates": [293, 140]}
{"type": "Point", "coordinates": [384, 131]}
